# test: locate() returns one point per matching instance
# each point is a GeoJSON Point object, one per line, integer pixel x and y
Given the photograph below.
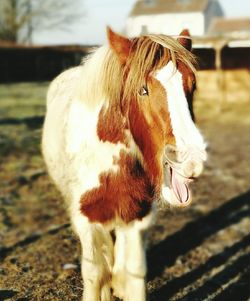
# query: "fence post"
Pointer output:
{"type": "Point", "coordinates": [221, 86]}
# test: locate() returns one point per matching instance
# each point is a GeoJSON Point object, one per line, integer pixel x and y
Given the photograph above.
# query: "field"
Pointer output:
{"type": "Point", "coordinates": [199, 253]}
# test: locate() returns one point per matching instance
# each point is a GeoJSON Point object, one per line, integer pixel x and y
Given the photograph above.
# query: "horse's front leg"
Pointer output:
{"type": "Point", "coordinates": [135, 258]}
{"type": "Point", "coordinates": [118, 273]}
{"type": "Point", "coordinates": [136, 269]}
{"type": "Point", "coordinates": [97, 259]}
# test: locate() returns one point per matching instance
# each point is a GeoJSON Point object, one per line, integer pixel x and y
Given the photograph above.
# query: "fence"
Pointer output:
{"type": "Point", "coordinates": [37, 63]}
{"type": "Point", "coordinates": [44, 63]}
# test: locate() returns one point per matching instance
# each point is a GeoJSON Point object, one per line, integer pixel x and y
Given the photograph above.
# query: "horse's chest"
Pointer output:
{"type": "Point", "coordinates": [126, 194]}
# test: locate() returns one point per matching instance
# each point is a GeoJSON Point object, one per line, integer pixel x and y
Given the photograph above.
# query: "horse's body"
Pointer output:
{"type": "Point", "coordinates": [108, 124]}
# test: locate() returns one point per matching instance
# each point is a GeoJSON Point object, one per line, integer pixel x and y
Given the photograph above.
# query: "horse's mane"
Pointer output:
{"type": "Point", "coordinates": [103, 76]}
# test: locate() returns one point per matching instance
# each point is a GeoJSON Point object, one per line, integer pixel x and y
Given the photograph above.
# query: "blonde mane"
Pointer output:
{"type": "Point", "coordinates": [103, 77]}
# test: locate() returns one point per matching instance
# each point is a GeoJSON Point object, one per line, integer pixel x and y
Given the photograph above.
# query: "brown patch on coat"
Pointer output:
{"type": "Point", "coordinates": [111, 125]}
{"type": "Point", "coordinates": [150, 125]}
{"type": "Point", "coordinates": [127, 194]}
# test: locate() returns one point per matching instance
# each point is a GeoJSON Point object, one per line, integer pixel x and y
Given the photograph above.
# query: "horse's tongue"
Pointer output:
{"type": "Point", "coordinates": [180, 189]}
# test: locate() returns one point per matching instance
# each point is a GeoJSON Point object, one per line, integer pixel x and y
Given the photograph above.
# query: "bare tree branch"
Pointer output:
{"type": "Point", "coordinates": [25, 16]}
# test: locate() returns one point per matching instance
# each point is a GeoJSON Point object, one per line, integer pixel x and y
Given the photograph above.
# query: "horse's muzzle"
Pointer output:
{"type": "Point", "coordinates": [187, 162]}
{"type": "Point", "coordinates": [180, 169]}
{"type": "Point", "coordinates": [192, 169]}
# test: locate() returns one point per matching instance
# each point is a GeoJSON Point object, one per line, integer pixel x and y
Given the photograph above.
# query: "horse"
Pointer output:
{"type": "Point", "coordinates": [119, 138]}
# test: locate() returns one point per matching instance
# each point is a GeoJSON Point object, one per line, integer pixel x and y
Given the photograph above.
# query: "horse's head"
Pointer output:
{"type": "Point", "coordinates": [157, 91]}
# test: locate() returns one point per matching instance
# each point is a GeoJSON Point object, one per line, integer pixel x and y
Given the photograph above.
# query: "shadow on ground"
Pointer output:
{"type": "Point", "coordinates": [190, 237]}
{"type": "Point", "coordinates": [34, 122]}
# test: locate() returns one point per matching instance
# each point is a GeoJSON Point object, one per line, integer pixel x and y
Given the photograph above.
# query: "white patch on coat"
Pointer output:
{"type": "Point", "coordinates": [184, 129]}
{"type": "Point", "coordinates": [83, 146]}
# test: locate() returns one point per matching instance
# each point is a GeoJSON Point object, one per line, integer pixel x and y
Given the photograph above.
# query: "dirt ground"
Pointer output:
{"type": "Point", "coordinates": [199, 253]}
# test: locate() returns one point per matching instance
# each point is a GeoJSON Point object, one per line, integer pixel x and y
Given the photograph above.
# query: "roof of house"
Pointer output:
{"type": "Point", "coordinates": [226, 25]}
{"type": "Point", "coordinates": [150, 7]}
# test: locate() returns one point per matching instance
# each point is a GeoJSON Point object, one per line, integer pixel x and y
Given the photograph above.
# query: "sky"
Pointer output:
{"type": "Point", "coordinates": [92, 28]}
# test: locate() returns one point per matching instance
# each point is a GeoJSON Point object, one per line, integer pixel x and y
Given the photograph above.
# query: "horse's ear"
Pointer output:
{"type": "Point", "coordinates": [119, 44]}
{"type": "Point", "coordinates": [185, 42]}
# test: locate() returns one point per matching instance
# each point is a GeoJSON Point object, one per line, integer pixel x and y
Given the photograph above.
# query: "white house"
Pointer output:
{"type": "Point", "coordinates": [235, 30]}
{"type": "Point", "coordinates": [171, 16]}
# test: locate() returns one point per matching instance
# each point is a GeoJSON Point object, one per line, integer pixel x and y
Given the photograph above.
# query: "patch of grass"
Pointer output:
{"type": "Point", "coordinates": [22, 100]}
{"type": "Point", "coordinates": [18, 139]}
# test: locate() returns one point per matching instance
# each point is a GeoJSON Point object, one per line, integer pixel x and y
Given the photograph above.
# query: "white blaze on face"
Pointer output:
{"type": "Point", "coordinates": [185, 132]}
{"type": "Point", "coordinates": [189, 142]}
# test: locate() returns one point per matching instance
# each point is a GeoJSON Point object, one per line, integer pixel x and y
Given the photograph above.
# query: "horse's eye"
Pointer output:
{"type": "Point", "coordinates": [143, 91]}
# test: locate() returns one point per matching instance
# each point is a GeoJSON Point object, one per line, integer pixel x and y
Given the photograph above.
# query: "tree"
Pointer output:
{"type": "Point", "coordinates": [18, 18]}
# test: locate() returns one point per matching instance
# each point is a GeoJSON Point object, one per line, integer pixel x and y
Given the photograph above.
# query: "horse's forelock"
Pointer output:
{"type": "Point", "coordinates": [148, 54]}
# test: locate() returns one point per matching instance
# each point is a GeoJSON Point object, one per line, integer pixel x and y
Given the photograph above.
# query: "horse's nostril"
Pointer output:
{"type": "Point", "coordinates": [193, 169]}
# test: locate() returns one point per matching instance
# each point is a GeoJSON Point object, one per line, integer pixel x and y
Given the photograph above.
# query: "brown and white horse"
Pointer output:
{"type": "Point", "coordinates": [118, 136]}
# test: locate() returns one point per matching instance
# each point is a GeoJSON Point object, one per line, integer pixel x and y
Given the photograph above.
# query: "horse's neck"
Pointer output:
{"type": "Point", "coordinates": [105, 114]}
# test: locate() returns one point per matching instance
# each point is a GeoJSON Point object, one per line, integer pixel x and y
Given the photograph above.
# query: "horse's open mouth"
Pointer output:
{"type": "Point", "coordinates": [180, 186]}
